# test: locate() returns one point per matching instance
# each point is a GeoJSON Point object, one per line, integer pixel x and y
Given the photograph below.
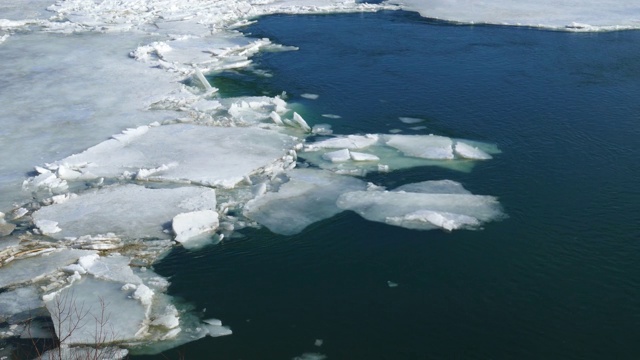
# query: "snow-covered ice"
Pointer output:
{"type": "Point", "coordinates": [212, 156]}
{"type": "Point", "coordinates": [573, 15]}
{"type": "Point", "coordinates": [112, 209]}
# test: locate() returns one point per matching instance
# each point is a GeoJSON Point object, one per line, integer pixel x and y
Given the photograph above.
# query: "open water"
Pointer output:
{"type": "Point", "coordinates": [558, 279]}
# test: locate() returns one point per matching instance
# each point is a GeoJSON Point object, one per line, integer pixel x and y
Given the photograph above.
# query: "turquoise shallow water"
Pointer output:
{"type": "Point", "coordinates": [558, 279]}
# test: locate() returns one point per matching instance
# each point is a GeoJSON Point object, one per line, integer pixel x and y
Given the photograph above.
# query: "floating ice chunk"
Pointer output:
{"type": "Point", "coordinates": [392, 284]}
{"type": "Point", "coordinates": [410, 120]}
{"type": "Point", "coordinates": [470, 152]}
{"type": "Point", "coordinates": [434, 187]}
{"type": "Point", "coordinates": [214, 322]}
{"type": "Point", "coordinates": [217, 330]}
{"type": "Point", "coordinates": [420, 210]}
{"type": "Point", "coordinates": [426, 219]}
{"type": "Point", "coordinates": [309, 196]}
{"type": "Point", "coordinates": [276, 118]}
{"type": "Point", "coordinates": [129, 211]}
{"type": "Point", "coordinates": [189, 225]}
{"type": "Point", "coordinates": [337, 156]}
{"type": "Point", "coordinates": [428, 147]}
{"type": "Point", "coordinates": [322, 129]}
{"type": "Point", "coordinates": [213, 156]}
{"type": "Point", "coordinates": [345, 142]}
{"type": "Point", "coordinates": [310, 96]}
{"type": "Point", "coordinates": [301, 122]}
{"type": "Point", "coordinates": [310, 356]}
{"type": "Point", "coordinates": [34, 268]}
{"type": "Point", "coordinates": [331, 116]}
{"type": "Point", "coordinates": [318, 342]}
{"type": "Point", "coordinates": [359, 156]}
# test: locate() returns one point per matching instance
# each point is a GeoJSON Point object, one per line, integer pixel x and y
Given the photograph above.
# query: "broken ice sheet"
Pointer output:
{"type": "Point", "coordinates": [90, 306]}
{"type": "Point", "coordinates": [212, 156]}
{"type": "Point", "coordinates": [128, 211]}
{"type": "Point", "coordinates": [308, 196]}
{"type": "Point", "coordinates": [395, 152]}
{"type": "Point", "coordinates": [424, 206]}
{"type": "Point", "coordinates": [34, 268]}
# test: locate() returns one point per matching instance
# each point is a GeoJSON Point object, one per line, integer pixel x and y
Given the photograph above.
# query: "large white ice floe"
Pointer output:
{"type": "Point", "coordinates": [181, 153]}
{"type": "Point", "coordinates": [572, 15]}
{"type": "Point", "coordinates": [359, 154]}
{"type": "Point", "coordinates": [128, 211]}
{"type": "Point", "coordinates": [307, 196]}
{"type": "Point", "coordinates": [424, 206]}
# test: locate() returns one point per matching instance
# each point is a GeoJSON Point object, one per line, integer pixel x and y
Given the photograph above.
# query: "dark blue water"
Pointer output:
{"type": "Point", "coordinates": [558, 279]}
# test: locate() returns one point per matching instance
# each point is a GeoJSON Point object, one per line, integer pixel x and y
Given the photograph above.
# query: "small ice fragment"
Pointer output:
{"type": "Point", "coordinates": [392, 284]}
{"type": "Point", "coordinates": [337, 156]}
{"type": "Point", "coordinates": [410, 120]}
{"type": "Point", "coordinates": [144, 295]}
{"type": "Point", "coordinates": [191, 224]}
{"type": "Point", "coordinates": [276, 118]}
{"type": "Point", "coordinates": [358, 156]}
{"type": "Point", "coordinates": [318, 342]}
{"type": "Point", "coordinates": [217, 330]}
{"type": "Point", "coordinates": [18, 213]}
{"type": "Point", "coordinates": [48, 226]}
{"type": "Point", "coordinates": [418, 128]}
{"type": "Point", "coordinates": [310, 96]}
{"type": "Point", "coordinates": [203, 80]}
{"type": "Point", "coordinates": [310, 356]}
{"type": "Point", "coordinates": [322, 129]}
{"type": "Point", "coordinates": [332, 116]}
{"type": "Point", "coordinates": [470, 152]}
{"type": "Point", "coordinates": [215, 322]}
{"type": "Point", "coordinates": [395, 131]}
{"type": "Point", "coordinates": [303, 124]}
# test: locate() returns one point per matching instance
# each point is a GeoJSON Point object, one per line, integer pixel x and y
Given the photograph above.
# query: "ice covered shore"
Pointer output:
{"type": "Point", "coordinates": [135, 153]}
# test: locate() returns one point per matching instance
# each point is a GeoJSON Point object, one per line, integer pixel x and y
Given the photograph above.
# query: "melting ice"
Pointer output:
{"type": "Point", "coordinates": [134, 152]}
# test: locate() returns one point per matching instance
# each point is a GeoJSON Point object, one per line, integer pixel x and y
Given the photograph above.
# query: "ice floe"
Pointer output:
{"type": "Point", "coordinates": [425, 206]}
{"type": "Point", "coordinates": [181, 153]}
{"type": "Point", "coordinates": [571, 15]}
{"type": "Point", "coordinates": [110, 210]}
{"type": "Point", "coordinates": [359, 154]}
{"type": "Point", "coordinates": [307, 196]}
